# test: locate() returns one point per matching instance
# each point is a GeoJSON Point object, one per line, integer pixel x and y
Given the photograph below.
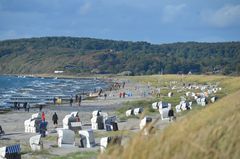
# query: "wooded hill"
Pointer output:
{"type": "Point", "coordinates": [87, 55]}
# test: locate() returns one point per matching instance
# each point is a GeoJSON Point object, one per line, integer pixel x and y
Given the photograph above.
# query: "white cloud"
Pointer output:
{"type": "Point", "coordinates": [85, 8]}
{"type": "Point", "coordinates": [171, 12]}
{"type": "Point", "coordinates": [228, 15]}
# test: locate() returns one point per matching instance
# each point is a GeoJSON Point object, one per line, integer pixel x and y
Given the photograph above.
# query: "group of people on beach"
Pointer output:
{"type": "Point", "coordinates": [43, 124]}
{"type": "Point", "coordinates": [122, 94]}
{"type": "Point", "coordinates": [43, 117]}
{"type": "Point", "coordinates": [17, 106]}
{"type": "Point", "coordinates": [117, 85]}
{"type": "Point", "coordinates": [78, 99]}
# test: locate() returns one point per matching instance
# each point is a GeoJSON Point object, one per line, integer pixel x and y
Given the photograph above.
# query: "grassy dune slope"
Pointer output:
{"type": "Point", "coordinates": [210, 133]}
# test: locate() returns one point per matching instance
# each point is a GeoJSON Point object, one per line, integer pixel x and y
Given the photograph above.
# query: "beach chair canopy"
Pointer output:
{"type": "Point", "coordinates": [12, 151]}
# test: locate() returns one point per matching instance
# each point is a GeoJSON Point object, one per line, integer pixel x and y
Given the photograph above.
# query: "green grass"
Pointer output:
{"type": "Point", "coordinates": [50, 138]}
{"type": "Point", "coordinates": [79, 155]}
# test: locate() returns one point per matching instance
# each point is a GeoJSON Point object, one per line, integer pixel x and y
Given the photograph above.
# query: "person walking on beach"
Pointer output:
{"type": "Point", "coordinates": [100, 92]}
{"type": "Point", "coordinates": [40, 107]}
{"type": "Point", "coordinates": [76, 98]}
{"type": "Point", "coordinates": [1, 131]}
{"type": "Point", "coordinates": [15, 105]}
{"type": "Point", "coordinates": [43, 128]}
{"type": "Point", "coordinates": [71, 101]}
{"type": "Point", "coordinates": [25, 106]}
{"type": "Point", "coordinates": [123, 85]}
{"type": "Point", "coordinates": [105, 96]}
{"type": "Point", "coordinates": [120, 95]}
{"type": "Point", "coordinates": [55, 119]}
{"type": "Point", "coordinates": [171, 114]}
{"type": "Point", "coordinates": [79, 100]}
{"type": "Point", "coordinates": [54, 100]}
{"type": "Point", "coordinates": [43, 116]}
{"type": "Point", "coordinates": [124, 94]}
{"type": "Point", "coordinates": [28, 107]}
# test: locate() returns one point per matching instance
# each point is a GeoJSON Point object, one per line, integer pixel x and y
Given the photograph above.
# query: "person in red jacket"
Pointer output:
{"type": "Point", "coordinates": [43, 116]}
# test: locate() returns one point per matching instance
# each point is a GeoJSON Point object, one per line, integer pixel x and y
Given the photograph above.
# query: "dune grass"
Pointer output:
{"type": "Point", "coordinates": [211, 132]}
{"type": "Point", "coordinates": [100, 134]}
{"type": "Point", "coordinates": [79, 155]}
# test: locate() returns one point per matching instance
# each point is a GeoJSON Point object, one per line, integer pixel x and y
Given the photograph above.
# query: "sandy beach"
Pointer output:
{"type": "Point", "coordinates": [13, 122]}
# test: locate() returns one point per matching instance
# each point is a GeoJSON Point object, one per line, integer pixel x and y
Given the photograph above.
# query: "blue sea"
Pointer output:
{"type": "Point", "coordinates": [29, 86]}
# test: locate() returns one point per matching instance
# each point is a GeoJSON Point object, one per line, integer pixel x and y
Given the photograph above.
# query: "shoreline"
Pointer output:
{"type": "Point", "coordinates": [71, 76]}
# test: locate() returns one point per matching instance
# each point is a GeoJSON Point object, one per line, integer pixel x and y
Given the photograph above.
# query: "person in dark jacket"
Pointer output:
{"type": "Point", "coordinates": [55, 118]}
{"type": "Point", "coordinates": [105, 96]}
{"type": "Point", "coordinates": [100, 92]}
{"type": "Point", "coordinates": [171, 114]}
{"type": "Point", "coordinates": [76, 98]}
{"type": "Point", "coordinates": [79, 100]}
{"type": "Point", "coordinates": [1, 130]}
{"type": "Point", "coordinates": [54, 100]}
{"type": "Point", "coordinates": [25, 106]}
{"type": "Point", "coordinates": [71, 101]}
{"type": "Point", "coordinates": [43, 128]}
{"type": "Point", "coordinates": [40, 107]}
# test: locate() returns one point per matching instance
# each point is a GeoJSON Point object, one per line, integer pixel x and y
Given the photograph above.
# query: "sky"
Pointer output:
{"type": "Point", "coordinates": [154, 21]}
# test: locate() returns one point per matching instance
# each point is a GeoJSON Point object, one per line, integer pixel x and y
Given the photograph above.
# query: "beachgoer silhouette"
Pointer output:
{"type": "Point", "coordinates": [15, 105]}
{"type": "Point", "coordinates": [100, 92]}
{"type": "Point", "coordinates": [54, 100]}
{"type": "Point", "coordinates": [55, 118]}
{"type": "Point", "coordinates": [25, 106]}
{"type": "Point", "coordinates": [1, 130]}
{"type": "Point", "coordinates": [123, 85]}
{"type": "Point", "coordinates": [171, 114]}
{"type": "Point", "coordinates": [105, 96]}
{"type": "Point", "coordinates": [28, 107]}
{"type": "Point", "coordinates": [76, 98]}
{"type": "Point", "coordinates": [71, 101]}
{"type": "Point", "coordinates": [79, 100]}
{"type": "Point", "coordinates": [40, 107]}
